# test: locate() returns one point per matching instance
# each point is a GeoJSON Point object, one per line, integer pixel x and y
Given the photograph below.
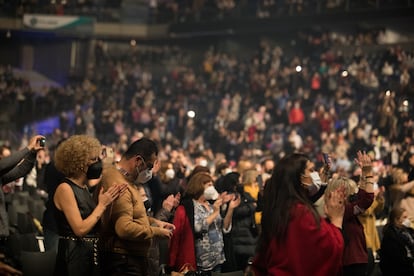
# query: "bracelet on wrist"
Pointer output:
{"type": "Point", "coordinates": [366, 177]}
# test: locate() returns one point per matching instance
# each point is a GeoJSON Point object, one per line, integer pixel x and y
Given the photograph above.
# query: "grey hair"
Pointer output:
{"type": "Point", "coordinates": [349, 185]}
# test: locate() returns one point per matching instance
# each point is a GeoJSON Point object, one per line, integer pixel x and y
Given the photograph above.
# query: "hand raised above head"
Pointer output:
{"type": "Point", "coordinates": [35, 144]}
{"type": "Point", "coordinates": [363, 161]}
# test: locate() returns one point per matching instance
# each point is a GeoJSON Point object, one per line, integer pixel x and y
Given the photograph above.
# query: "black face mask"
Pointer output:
{"type": "Point", "coordinates": [94, 170]}
{"type": "Point", "coordinates": [147, 204]}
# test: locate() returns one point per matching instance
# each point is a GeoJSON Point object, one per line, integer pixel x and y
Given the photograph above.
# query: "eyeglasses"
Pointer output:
{"type": "Point", "coordinates": [148, 165]}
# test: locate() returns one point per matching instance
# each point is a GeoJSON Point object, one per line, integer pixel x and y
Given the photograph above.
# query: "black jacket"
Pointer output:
{"type": "Point", "coordinates": [394, 257]}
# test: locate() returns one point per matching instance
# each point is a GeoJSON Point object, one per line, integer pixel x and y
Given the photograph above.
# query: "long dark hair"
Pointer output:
{"type": "Point", "coordinates": [280, 193]}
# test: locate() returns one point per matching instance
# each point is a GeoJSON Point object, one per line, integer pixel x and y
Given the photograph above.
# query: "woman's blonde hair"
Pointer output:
{"type": "Point", "coordinates": [349, 185]}
{"type": "Point", "coordinates": [73, 156]}
{"type": "Point", "coordinates": [397, 175]}
{"type": "Point", "coordinates": [249, 176]}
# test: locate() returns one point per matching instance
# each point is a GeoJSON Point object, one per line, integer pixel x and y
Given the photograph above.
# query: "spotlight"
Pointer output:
{"type": "Point", "coordinates": [344, 74]}
{"type": "Point", "coordinates": [298, 68]}
{"type": "Point", "coordinates": [191, 114]}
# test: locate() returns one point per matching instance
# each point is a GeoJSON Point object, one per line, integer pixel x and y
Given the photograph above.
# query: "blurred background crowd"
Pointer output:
{"type": "Point", "coordinates": [228, 108]}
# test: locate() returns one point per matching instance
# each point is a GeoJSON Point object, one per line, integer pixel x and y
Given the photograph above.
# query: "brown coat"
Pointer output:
{"type": "Point", "coordinates": [126, 228]}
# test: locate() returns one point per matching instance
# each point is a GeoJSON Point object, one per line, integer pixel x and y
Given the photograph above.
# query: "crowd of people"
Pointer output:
{"type": "Point", "coordinates": [103, 209]}
{"type": "Point", "coordinates": [175, 11]}
{"type": "Point", "coordinates": [214, 146]}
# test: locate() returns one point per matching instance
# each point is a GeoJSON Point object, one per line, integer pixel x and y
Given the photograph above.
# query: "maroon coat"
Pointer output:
{"type": "Point", "coordinates": [355, 251]}
{"type": "Point", "coordinates": [307, 249]}
{"type": "Point", "coordinates": [182, 250]}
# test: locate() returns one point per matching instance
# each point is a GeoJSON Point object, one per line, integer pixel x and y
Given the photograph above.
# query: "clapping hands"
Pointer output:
{"type": "Point", "coordinates": [335, 206]}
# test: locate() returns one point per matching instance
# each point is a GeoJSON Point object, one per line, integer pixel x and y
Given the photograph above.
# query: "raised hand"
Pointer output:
{"type": "Point", "coordinates": [335, 206]}
{"type": "Point", "coordinates": [363, 161]}
{"type": "Point", "coordinates": [168, 203]}
{"type": "Point", "coordinates": [217, 204]}
{"type": "Point", "coordinates": [34, 143]}
{"type": "Point", "coordinates": [177, 199]}
{"type": "Point", "coordinates": [235, 202]}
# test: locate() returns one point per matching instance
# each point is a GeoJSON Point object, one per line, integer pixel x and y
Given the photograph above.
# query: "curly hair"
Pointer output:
{"type": "Point", "coordinates": [73, 156]}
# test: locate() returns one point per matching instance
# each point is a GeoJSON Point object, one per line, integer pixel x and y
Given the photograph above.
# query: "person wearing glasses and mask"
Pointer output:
{"type": "Point", "coordinates": [77, 214]}
{"type": "Point", "coordinates": [127, 231]}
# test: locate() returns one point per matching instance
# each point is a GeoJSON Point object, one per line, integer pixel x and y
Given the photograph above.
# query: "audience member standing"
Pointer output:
{"type": "Point", "coordinates": [397, 245]}
{"type": "Point", "coordinates": [13, 167]}
{"type": "Point", "coordinates": [355, 259]}
{"type": "Point", "coordinates": [127, 231]}
{"type": "Point", "coordinates": [295, 240]}
{"type": "Point", "coordinates": [368, 220]}
{"type": "Point", "coordinates": [77, 214]}
{"type": "Point", "coordinates": [198, 239]}
{"type": "Point", "coordinates": [244, 230]}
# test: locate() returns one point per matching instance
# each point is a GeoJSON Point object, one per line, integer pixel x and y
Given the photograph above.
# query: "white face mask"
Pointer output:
{"type": "Point", "coordinates": [144, 176]}
{"type": "Point", "coordinates": [406, 222]}
{"type": "Point", "coordinates": [316, 184]}
{"type": "Point", "coordinates": [203, 163]}
{"type": "Point", "coordinates": [170, 173]}
{"type": "Point", "coordinates": [210, 193]}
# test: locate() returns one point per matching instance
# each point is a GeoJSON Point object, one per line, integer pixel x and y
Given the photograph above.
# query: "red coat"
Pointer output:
{"type": "Point", "coordinates": [306, 250]}
{"type": "Point", "coordinates": [182, 250]}
{"type": "Point", "coordinates": [296, 116]}
{"type": "Point", "coordinates": [355, 251]}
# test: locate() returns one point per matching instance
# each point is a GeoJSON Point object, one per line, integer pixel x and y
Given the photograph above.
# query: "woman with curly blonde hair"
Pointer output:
{"type": "Point", "coordinates": [77, 215]}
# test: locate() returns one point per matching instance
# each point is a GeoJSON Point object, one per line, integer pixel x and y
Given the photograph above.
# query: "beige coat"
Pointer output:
{"type": "Point", "coordinates": [368, 220]}
{"type": "Point", "coordinates": [126, 228]}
